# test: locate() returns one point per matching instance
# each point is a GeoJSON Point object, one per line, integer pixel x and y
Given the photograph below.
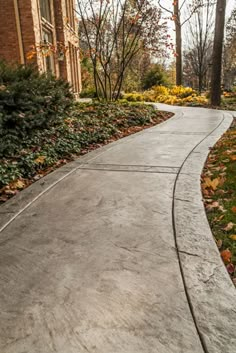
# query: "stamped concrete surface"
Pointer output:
{"type": "Point", "coordinates": [113, 253]}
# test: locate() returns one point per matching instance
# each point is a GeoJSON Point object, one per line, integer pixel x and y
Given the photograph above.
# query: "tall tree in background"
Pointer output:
{"type": "Point", "coordinates": [230, 52]}
{"type": "Point", "coordinates": [114, 32]}
{"type": "Point", "coordinates": [197, 57]}
{"type": "Point", "coordinates": [215, 95]}
{"type": "Point", "coordinates": [176, 15]}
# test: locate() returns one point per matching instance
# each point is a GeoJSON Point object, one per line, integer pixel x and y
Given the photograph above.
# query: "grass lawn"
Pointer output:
{"type": "Point", "coordinates": [87, 127]}
{"type": "Point", "coordinates": [219, 191]}
{"type": "Point", "coordinates": [228, 104]}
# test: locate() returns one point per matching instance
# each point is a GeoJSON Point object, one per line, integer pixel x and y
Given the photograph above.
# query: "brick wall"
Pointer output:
{"type": "Point", "coordinates": [31, 30]}
{"type": "Point", "coordinates": [27, 25]}
{"type": "Point", "coordinates": [70, 66]}
{"type": "Point", "coordinates": [9, 48]}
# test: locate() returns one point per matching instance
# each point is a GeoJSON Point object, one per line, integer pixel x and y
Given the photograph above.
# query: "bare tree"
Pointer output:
{"type": "Point", "coordinates": [200, 41]}
{"type": "Point", "coordinates": [176, 15]}
{"type": "Point", "coordinates": [229, 55]}
{"type": "Point", "coordinates": [217, 53]}
{"type": "Point", "coordinates": [114, 32]}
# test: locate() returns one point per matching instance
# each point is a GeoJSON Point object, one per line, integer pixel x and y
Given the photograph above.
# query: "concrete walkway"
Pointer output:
{"type": "Point", "coordinates": [113, 253]}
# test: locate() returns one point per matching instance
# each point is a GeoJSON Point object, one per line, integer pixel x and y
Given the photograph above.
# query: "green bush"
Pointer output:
{"type": "Point", "coordinates": [29, 101]}
{"type": "Point", "coordinates": [88, 93]}
{"type": "Point", "coordinates": [154, 77]}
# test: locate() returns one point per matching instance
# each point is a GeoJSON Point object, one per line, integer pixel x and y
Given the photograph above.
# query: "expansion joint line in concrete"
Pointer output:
{"type": "Point", "coordinates": [44, 192]}
{"type": "Point", "coordinates": [200, 335]}
{"type": "Point", "coordinates": [149, 169]}
{"type": "Point", "coordinates": [128, 171]}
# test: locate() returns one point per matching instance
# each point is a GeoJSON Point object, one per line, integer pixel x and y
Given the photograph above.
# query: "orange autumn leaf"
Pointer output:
{"type": "Point", "coordinates": [226, 256]}
{"type": "Point", "coordinates": [18, 184]}
{"type": "Point", "coordinates": [40, 160]}
{"type": "Point", "coordinates": [233, 158]}
{"type": "Point", "coordinates": [233, 209]}
{"type": "Point", "coordinates": [212, 184]}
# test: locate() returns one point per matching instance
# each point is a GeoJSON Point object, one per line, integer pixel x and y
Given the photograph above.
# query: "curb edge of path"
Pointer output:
{"type": "Point", "coordinates": [209, 289]}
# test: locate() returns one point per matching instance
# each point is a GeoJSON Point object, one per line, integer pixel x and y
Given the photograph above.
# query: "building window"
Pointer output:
{"type": "Point", "coordinates": [47, 51]}
{"type": "Point", "coordinates": [70, 13]}
{"type": "Point", "coordinates": [45, 10]}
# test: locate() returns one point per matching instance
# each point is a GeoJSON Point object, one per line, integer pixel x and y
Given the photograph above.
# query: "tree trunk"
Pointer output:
{"type": "Point", "coordinates": [217, 53]}
{"type": "Point", "coordinates": [200, 82]}
{"type": "Point", "coordinates": [178, 44]}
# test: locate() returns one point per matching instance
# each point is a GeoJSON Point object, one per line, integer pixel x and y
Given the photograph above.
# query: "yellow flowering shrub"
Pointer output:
{"type": "Point", "coordinates": [134, 97]}
{"type": "Point", "coordinates": [177, 95]}
{"type": "Point", "coordinates": [160, 90]}
{"type": "Point", "coordinates": [181, 92]}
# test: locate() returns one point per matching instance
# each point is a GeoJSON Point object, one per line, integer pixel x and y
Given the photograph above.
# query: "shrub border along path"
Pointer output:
{"type": "Point", "coordinates": [97, 123]}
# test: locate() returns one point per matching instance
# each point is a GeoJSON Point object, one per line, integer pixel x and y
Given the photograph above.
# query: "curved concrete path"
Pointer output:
{"type": "Point", "coordinates": [113, 253]}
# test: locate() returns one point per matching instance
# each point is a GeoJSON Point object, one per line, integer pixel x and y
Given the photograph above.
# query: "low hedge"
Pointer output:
{"type": "Point", "coordinates": [29, 102]}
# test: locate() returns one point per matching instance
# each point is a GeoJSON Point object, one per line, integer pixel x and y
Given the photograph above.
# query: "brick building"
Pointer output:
{"type": "Point", "coordinates": [43, 32]}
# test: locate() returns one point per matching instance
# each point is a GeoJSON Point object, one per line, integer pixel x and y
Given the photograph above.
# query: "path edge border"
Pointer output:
{"type": "Point", "coordinates": [209, 289]}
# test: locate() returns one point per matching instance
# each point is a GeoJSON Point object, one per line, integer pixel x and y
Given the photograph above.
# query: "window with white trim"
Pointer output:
{"type": "Point", "coordinates": [45, 9]}
{"type": "Point", "coordinates": [47, 50]}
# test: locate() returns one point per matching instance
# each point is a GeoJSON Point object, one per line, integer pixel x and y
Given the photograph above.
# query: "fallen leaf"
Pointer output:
{"type": "Point", "coordinates": [220, 218]}
{"type": "Point", "coordinates": [229, 226]}
{"type": "Point", "coordinates": [221, 192]}
{"type": "Point", "coordinates": [230, 269]}
{"type": "Point", "coordinates": [233, 209]}
{"type": "Point", "coordinates": [228, 152]}
{"type": "Point", "coordinates": [209, 200]}
{"type": "Point", "coordinates": [208, 183]}
{"type": "Point", "coordinates": [19, 184]}
{"type": "Point", "coordinates": [40, 160]}
{"type": "Point", "coordinates": [3, 198]}
{"type": "Point", "coordinates": [10, 192]}
{"type": "Point", "coordinates": [221, 208]}
{"type": "Point", "coordinates": [219, 243]}
{"type": "Point", "coordinates": [213, 205]}
{"type": "Point", "coordinates": [226, 256]}
{"type": "Point", "coordinates": [233, 158]}
{"type": "Point", "coordinates": [233, 236]}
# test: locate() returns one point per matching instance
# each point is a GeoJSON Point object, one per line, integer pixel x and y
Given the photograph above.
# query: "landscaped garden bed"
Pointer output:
{"type": "Point", "coordinates": [86, 127]}
{"type": "Point", "coordinates": [42, 127]}
{"type": "Point", "coordinates": [219, 192]}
